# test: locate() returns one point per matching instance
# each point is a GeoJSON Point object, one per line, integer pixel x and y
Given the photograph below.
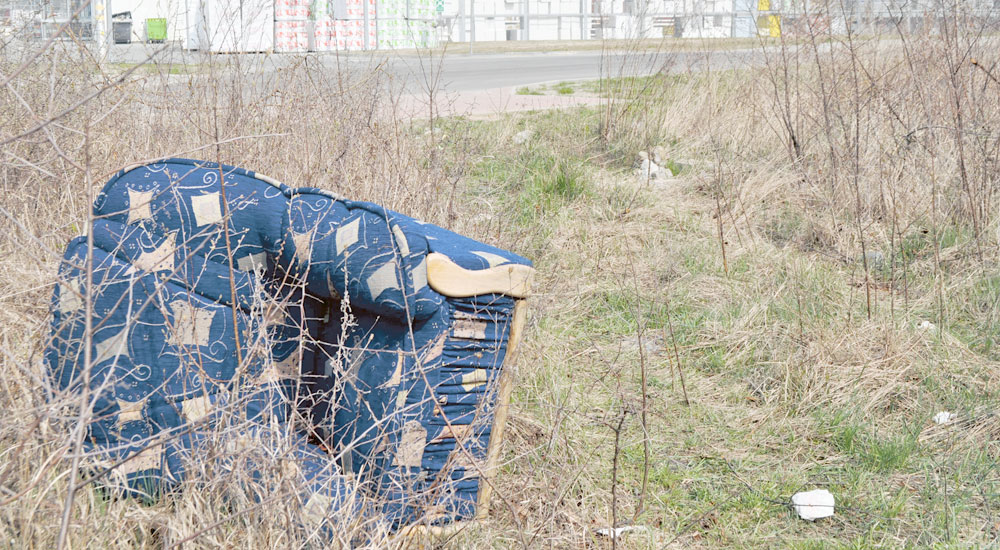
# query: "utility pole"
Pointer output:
{"type": "Point", "coordinates": [101, 21]}
{"type": "Point", "coordinates": [464, 21]}
{"type": "Point", "coordinates": [472, 18]}
{"type": "Point", "coordinates": [364, 33]}
{"type": "Point", "coordinates": [527, 21]}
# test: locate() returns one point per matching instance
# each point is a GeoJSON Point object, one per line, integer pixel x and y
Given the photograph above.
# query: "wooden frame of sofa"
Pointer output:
{"type": "Point", "coordinates": [514, 280]}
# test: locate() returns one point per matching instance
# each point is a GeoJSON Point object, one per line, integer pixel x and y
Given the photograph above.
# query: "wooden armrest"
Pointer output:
{"type": "Point", "coordinates": [454, 281]}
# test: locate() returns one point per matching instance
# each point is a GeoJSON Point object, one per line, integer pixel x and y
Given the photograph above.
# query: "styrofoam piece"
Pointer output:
{"type": "Point", "coordinates": [290, 10]}
{"type": "Point", "coordinates": [319, 9]}
{"type": "Point", "coordinates": [944, 417]}
{"type": "Point", "coordinates": [323, 37]}
{"type": "Point", "coordinates": [407, 24]}
{"type": "Point", "coordinates": [291, 36]}
{"type": "Point", "coordinates": [813, 505]}
{"type": "Point", "coordinates": [351, 34]}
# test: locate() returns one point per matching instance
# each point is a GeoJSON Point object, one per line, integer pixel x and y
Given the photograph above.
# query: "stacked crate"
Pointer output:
{"type": "Point", "coordinates": [291, 25]}
{"type": "Point", "coordinates": [324, 25]}
{"type": "Point", "coordinates": [324, 35]}
{"type": "Point", "coordinates": [329, 25]}
{"type": "Point", "coordinates": [351, 30]}
{"type": "Point", "coordinates": [321, 26]}
{"type": "Point", "coordinates": [407, 24]}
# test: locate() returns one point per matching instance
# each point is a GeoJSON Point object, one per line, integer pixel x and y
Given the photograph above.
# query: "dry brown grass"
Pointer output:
{"type": "Point", "coordinates": [298, 124]}
{"type": "Point", "coordinates": [806, 367]}
{"type": "Point", "coordinates": [802, 357]}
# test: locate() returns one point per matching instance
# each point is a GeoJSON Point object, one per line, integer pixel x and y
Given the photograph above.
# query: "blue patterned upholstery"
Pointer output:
{"type": "Point", "coordinates": [324, 315]}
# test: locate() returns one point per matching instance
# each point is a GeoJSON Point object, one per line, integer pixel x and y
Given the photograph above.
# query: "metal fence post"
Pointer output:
{"type": "Point", "coordinates": [527, 20]}
{"type": "Point", "coordinates": [364, 4]}
{"type": "Point", "coordinates": [102, 27]}
{"type": "Point", "coordinates": [461, 21]}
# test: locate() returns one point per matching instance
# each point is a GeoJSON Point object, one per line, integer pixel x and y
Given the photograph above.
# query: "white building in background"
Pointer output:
{"type": "Point", "coordinates": [721, 18]}
{"type": "Point", "coordinates": [557, 19]}
{"type": "Point", "coordinates": [705, 19]}
{"type": "Point", "coordinates": [321, 25]}
{"type": "Point", "coordinates": [326, 25]}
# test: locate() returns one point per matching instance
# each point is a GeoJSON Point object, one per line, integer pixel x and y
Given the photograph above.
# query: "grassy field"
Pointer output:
{"type": "Point", "coordinates": [789, 384]}
{"type": "Point", "coordinates": [786, 310]}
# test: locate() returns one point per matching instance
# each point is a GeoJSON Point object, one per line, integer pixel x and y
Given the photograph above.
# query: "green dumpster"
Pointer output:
{"type": "Point", "coordinates": [156, 29]}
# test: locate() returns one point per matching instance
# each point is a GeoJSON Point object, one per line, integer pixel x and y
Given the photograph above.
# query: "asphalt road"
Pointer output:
{"type": "Point", "coordinates": [469, 72]}
{"type": "Point", "coordinates": [458, 73]}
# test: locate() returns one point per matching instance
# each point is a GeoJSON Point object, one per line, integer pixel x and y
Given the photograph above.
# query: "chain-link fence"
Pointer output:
{"type": "Point", "coordinates": [40, 19]}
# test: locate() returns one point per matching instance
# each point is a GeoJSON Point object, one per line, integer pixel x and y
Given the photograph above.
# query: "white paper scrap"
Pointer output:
{"type": "Point", "coordinates": [619, 531]}
{"type": "Point", "coordinates": [944, 417]}
{"type": "Point", "coordinates": [813, 505]}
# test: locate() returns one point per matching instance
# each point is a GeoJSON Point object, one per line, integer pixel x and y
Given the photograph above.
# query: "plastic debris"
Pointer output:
{"type": "Point", "coordinates": [652, 343]}
{"type": "Point", "coordinates": [646, 167]}
{"type": "Point", "coordinates": [659, 155]}
{"type": "Point", "coordinates": [619, 531]}
{"type": "Point", "coordinates": [944, 417]}
{"type": "Point", "coordinates": [813, 505]}
{"type": "Point", "coordinates": [523, 136]}
{"type": "Point", "coordinates": [926, 325]}
{"type": "Point", "coordinates": [875, 259]}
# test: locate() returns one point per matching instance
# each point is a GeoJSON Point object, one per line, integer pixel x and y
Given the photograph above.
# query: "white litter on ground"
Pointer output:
{"type": "Point", "coordinates": [926, 325]}
{"type": "Point", "coordinates": [523, 136]}
{"type": "Point", "coordinates": [619, 531]}
{"type": "Point", "coordinates": [813, 505]}
{"type": "Point", "coordinates": [944, 417]}
{"type": "Point", "coordinates": [645, 167]}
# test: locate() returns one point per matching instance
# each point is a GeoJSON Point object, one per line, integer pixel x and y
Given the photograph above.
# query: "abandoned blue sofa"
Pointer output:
{"type": "Point", "coordinates": [237, 321]}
